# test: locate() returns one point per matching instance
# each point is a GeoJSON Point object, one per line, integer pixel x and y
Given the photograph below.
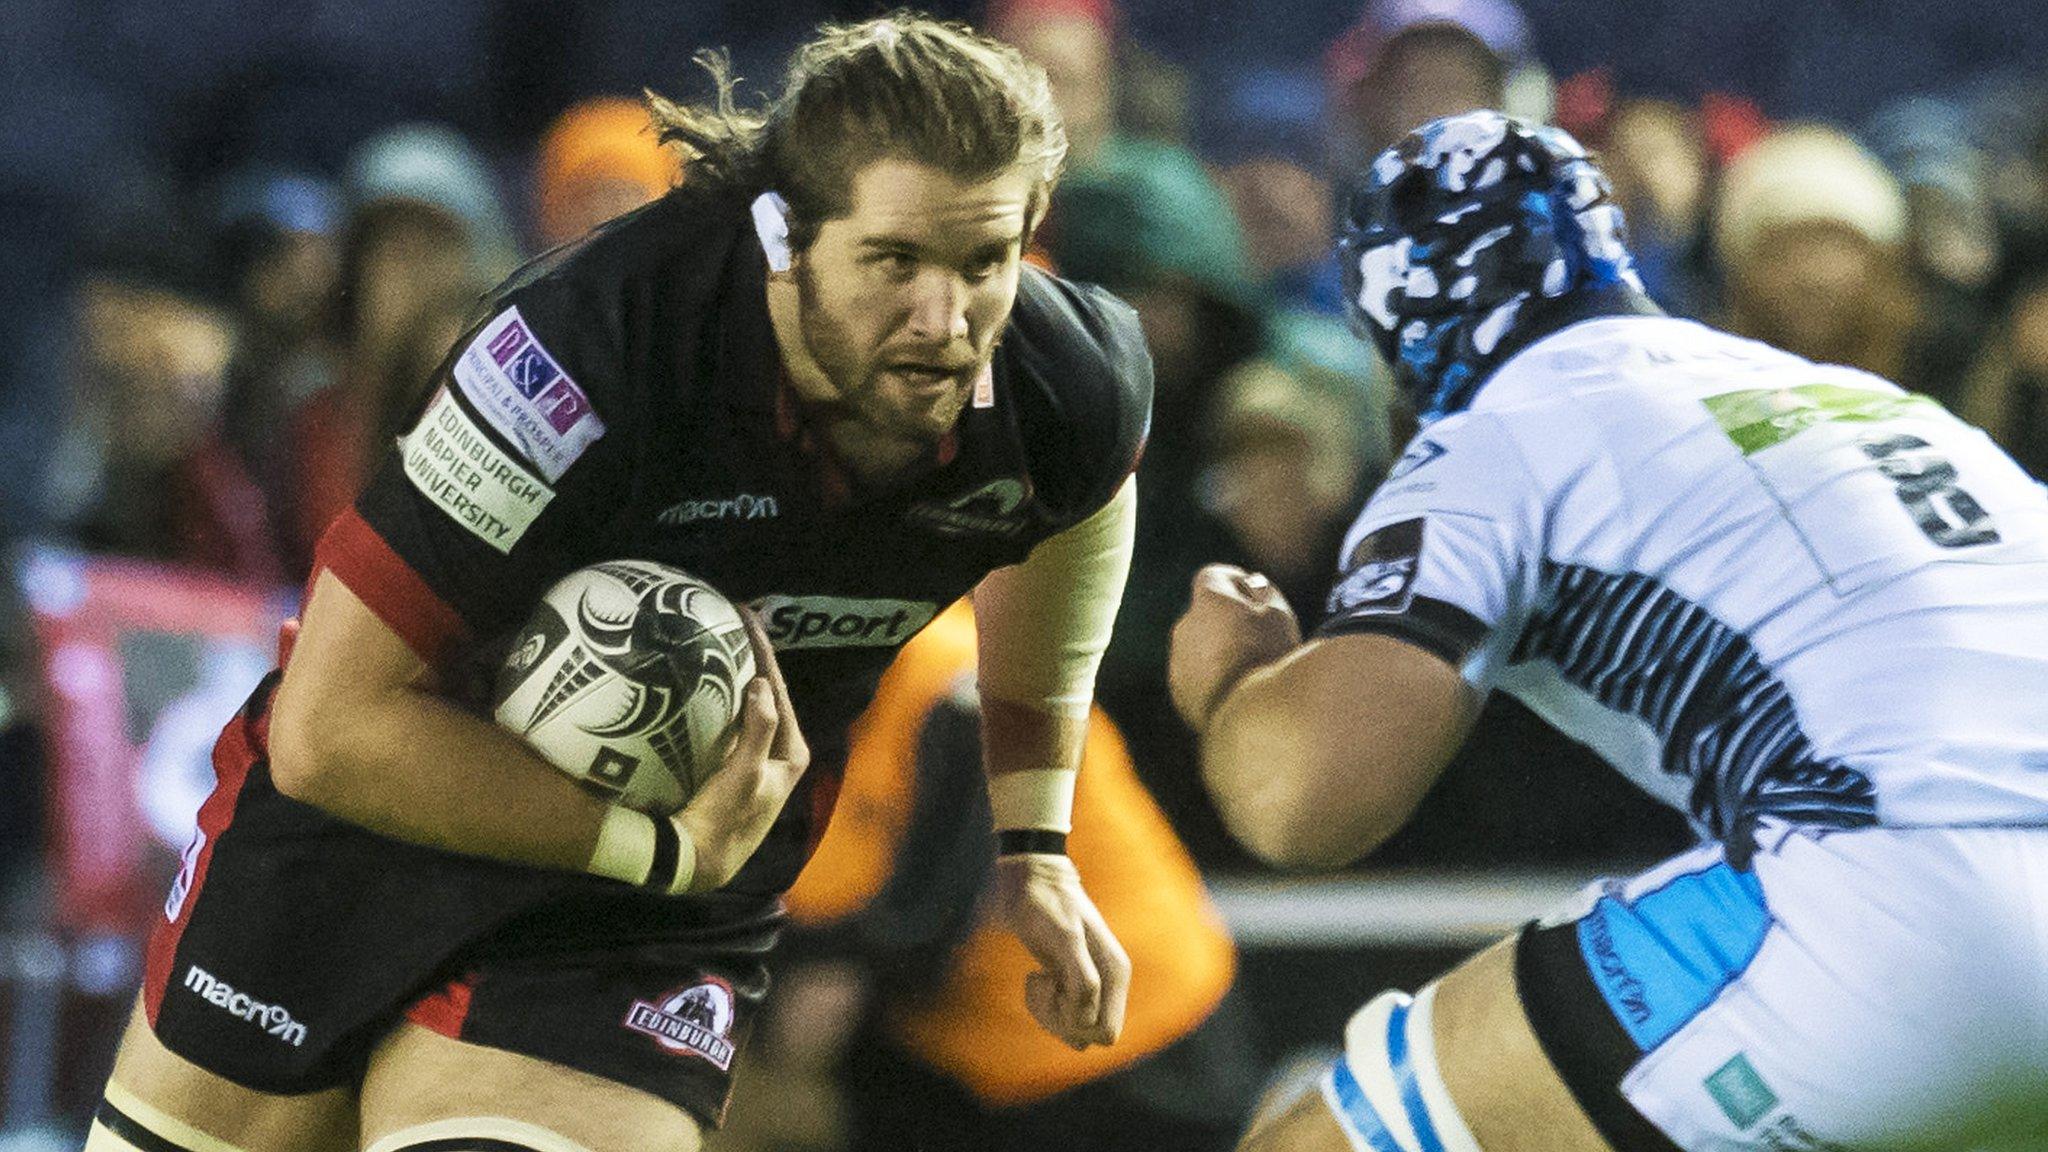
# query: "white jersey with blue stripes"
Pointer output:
{"type": "Point", "coordinates": [1759, 586]}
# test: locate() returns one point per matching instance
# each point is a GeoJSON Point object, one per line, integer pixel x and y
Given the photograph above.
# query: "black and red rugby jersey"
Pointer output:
{"type": "Point", "coordinates": [624, 397]}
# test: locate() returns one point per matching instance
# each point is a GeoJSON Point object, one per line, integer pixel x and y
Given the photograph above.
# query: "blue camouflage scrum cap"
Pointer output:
{"type": "Point", "coordinates": [1453, 232]}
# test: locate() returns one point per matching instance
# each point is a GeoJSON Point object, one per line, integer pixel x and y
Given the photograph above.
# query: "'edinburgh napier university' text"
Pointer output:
{"type": "Point", "coordinates": [450, 460]}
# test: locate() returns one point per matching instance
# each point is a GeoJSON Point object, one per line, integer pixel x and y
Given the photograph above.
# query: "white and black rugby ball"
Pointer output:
{"type": "Point", "coordinates": [628, 677]}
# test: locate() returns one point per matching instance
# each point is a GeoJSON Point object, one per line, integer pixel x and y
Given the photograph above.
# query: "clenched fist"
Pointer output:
{"type": "Point", "coordinates": [1236, 621]}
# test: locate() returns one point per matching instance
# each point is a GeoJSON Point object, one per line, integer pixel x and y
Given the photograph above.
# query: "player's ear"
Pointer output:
{"type": "Point", "coordinates": [1035, 213]}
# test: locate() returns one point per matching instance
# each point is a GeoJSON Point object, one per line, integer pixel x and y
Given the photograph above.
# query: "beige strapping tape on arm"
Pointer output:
{"type": "Point", "coordinates": [1044, 623]}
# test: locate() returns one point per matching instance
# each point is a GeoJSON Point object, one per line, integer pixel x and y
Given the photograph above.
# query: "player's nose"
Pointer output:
{"type": "Point", "coordinates": [938, 307]}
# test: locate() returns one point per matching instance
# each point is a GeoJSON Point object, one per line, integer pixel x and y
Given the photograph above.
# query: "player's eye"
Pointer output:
{"type": "Point", "coordinates": [983, 265]}
{"type": "Point", "coordinates": [897, 266]}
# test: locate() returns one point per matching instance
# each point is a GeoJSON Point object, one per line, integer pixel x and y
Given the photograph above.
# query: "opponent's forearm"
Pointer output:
{"type": "Point", "coordinates": [412, 766]}
{"type": "Point", "coordinates": [1254, 752]}
{"type": "Point", "coordinates": [1317, 757]}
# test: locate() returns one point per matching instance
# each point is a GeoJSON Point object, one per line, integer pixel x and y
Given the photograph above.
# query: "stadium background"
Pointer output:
{"type": "Point", "coordinates": [237, 234]}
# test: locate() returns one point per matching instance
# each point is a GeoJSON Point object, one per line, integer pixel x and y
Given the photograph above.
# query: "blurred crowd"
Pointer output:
{"type": "Point", "coordinates": [230, 349]}
{"type": "Point", "coordinates": [203, 373]}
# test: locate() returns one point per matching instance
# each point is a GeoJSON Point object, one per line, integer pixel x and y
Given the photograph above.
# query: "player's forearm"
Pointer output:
{"type": "Point", "coordinates": [1256, 750]}
{"type": "Point", "coordinates": [1044, 624]}
{"type": "Point", "coordinates": [1316, 758]}
{"type": "Point", "coordinates": [409, 765]}
{"type": "Point", "coordinates": [1033, 758]}
{"type": "Point", "coordinates": [1023, 738]}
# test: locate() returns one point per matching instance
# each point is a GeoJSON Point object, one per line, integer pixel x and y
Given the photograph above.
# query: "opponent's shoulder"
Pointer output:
{"type": "Point", "coordinates": [1467, 464]}
{"type": "Point", "coordinates": [1600, 384]}
{"type": "Point", "coordinates": [1649, 361]}
{"type": "Point", "coordinates": [1082, 375]}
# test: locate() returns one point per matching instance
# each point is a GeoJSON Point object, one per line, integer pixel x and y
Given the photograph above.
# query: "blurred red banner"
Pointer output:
{"type": "Point", "coordinates": [140, 666]}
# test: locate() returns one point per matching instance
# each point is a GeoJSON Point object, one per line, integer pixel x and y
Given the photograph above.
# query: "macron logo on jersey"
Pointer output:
{"type": "Point", "coordinates": [1420, 453]}
{"type": "Point", "coordinates": [526, 395]}
{"type": "Point", "coordinates": [275, 1019]}
{"type": "Point", "coordinates": [745, 506]}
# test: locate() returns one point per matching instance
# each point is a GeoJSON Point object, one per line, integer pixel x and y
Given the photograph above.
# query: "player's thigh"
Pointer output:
{"type": "Point", "coordinates": [1505, 1087]}
{"type": "Point", "coordinates": [1500, 1083]}
{"type": "Point", "coordinates": [155, 1093]}
{"type": "Point", "coordinates": [1307, 1125]}
{"type": "Point", "coordinates": [421, 1082]}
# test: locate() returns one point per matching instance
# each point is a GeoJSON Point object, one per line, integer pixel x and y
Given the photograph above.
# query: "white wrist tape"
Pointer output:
{"type": "Point", "coordinates": [686, 859]}
{"type": "Point", "coordinates": [1034, 798]}
{"type": "Point", "coordinates": [645, 851]}
{"type": "Point", "coordinates": [625, 846]}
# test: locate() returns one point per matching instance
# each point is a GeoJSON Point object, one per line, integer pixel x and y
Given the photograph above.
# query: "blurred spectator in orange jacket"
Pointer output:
{"type": "Point", "coordinates": [918, 1003]}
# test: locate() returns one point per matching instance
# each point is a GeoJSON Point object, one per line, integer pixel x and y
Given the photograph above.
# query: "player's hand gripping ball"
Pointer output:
{"type": "Point", "coordinates": [628, 677]}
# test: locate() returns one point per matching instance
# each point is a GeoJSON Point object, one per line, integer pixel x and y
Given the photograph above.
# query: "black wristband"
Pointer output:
{"type": "Point", "coordinates": [668, 848]}
{"type": "Point", "coordinates": [1017, 841]}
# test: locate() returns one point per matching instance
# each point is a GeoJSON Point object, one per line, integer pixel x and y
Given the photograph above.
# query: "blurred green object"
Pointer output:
{"type": "Point", "coordinates": [1144, 213]}
{"type": "Point", "coordinates": [1327, 357]}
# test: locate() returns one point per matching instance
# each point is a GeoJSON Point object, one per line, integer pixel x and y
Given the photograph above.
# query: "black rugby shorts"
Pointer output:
{"type": "Point", "coordinates": [292, 942]}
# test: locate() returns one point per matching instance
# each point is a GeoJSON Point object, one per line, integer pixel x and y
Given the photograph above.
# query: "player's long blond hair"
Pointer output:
{"type": "Point", "coordinates": [903, 85]}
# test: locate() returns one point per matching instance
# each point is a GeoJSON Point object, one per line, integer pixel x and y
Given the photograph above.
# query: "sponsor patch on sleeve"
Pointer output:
{"type": "Point", "coordinates": [1421, 452]}
{"type": "Point", "coordinates": [525, 395]}
{"type": "Point", "coordinates": [1379, 575]}
{"type": "Point", "coordinates": [480, 486]}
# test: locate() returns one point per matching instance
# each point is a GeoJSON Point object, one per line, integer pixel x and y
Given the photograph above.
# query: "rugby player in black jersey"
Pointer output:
{"type": "Point", "coordinates": [815, 375]}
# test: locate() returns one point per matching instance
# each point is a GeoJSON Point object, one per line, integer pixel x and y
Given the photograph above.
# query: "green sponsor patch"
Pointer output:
{"type": "Point", "coordinates": [1758, 418]}
{"type": "Point", "coordinates": [1741, 1093]}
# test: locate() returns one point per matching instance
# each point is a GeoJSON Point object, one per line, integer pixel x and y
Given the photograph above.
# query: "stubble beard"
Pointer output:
{"type": "Point", "coordinates": [856, 379]}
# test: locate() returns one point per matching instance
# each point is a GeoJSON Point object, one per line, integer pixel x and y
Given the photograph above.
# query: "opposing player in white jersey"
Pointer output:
{"type": "Point", "coordinates": [1805, 608]}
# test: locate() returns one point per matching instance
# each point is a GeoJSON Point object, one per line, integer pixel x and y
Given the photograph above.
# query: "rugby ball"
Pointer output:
{"type": "Point", "coordinates": [627, 677]}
